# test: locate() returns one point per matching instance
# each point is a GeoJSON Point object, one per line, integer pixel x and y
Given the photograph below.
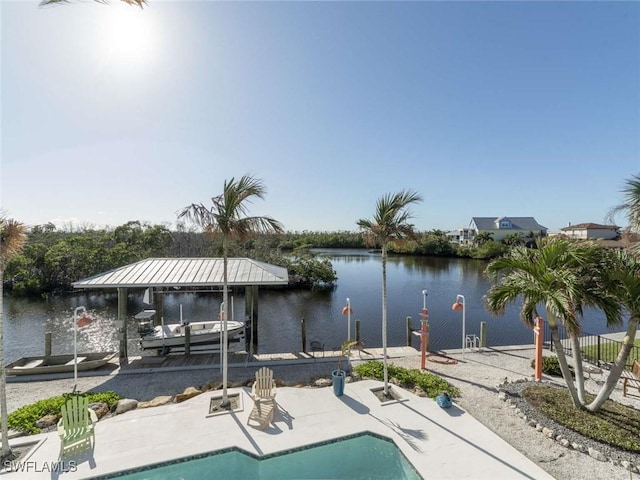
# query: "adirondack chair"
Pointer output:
{"type": "Point", "coordinates": [264, 388]}
{"type": "Point", "coordinates": [263, 393]}
{"type": "Point", "coordinates": [76, 426]}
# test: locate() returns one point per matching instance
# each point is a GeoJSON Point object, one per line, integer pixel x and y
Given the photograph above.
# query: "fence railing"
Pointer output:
{"type": "Point", "coordinates": [596, 349]}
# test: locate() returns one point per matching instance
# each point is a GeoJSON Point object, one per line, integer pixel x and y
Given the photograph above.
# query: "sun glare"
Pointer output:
{"type": "Point", "coordinates": [129, 34]}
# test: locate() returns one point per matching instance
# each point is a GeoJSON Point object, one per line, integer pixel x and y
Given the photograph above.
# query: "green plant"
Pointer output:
{"type": "Point", "coordinates": [432, 384]}
{"type": "Point", "coordinates": [550, 366]}
{"type": "Point", "coordinates": [614, 424]}
{"type": "Point", "coordinates": [24, 418]}
{"type": "Point", "coordinates": [345, 349]}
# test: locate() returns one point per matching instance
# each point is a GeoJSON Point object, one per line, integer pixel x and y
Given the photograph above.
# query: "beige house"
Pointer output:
{"type": "Point", "coordinates": [591, 231]}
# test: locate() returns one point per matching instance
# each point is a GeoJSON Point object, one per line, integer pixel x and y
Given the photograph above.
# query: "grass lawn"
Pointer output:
{"type": "Point", "coordinates": [615, 424]}
{"type": "Point", "coordinates": [608, 352]}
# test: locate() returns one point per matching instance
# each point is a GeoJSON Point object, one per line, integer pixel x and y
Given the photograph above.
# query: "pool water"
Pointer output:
{"type": "Point", "coordinates": [360, 457]}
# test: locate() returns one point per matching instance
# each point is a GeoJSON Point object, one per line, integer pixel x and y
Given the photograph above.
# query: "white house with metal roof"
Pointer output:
{"type": "Point", "coordinates": [500, 227]}
{"type": "Point", "coordinates": [162, 274]}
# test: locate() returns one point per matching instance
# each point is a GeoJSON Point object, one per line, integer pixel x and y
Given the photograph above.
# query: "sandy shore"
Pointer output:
{"type": "Point", "coordinates": [477, 375]}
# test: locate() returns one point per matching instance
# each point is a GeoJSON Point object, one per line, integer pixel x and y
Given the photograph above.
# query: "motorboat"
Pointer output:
{"type": "Point", "coordinates": [167, 336]}
{"type": "Point", "coordinates": [58, 363]}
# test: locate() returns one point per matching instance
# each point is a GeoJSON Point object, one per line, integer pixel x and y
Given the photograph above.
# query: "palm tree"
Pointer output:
{"type": "Point", "coordinates": [390, 222]}
{"type": "Point", "coordinates": [46, 3]}
{"type": "Point", "coordinates": [481, 238]}
{"type": "Point", "coordinates": [631, 207]}
{"type": "Point", "coordinates": [558, 275]}
{"type": "Point", "coordinates": [624, 282]}
{"type": "Point", "coordinates": [12, 239]}
{"type": "Point", "coordinates": [227, 218]}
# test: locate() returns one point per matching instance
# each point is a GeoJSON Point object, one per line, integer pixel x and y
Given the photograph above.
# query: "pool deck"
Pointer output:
{"type": "Point", "coordinates": [440, 443]}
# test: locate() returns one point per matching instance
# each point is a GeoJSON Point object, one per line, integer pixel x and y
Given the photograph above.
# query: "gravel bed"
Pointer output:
{"type": "Point", "coordinates": [514, 391]}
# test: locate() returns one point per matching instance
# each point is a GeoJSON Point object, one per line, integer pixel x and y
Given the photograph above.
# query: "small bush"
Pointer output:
{"type": "Point", "coordinates": [432, 384]}
{"type": "Point", "coordinates": [24, 418]}
{"type": "Point", "coordinates": [550, 366]}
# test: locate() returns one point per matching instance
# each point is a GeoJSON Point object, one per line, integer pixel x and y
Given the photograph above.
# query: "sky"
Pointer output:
{"type": "Point", "coordinates": [112, 113]}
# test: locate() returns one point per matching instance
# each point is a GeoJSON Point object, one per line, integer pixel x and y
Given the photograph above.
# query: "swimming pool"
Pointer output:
{"type": "Point", "coordinates": [357, 457]}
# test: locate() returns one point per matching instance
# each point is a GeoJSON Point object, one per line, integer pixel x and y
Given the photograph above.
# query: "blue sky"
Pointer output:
{"type": "Point", "coordinates": [111, 114]}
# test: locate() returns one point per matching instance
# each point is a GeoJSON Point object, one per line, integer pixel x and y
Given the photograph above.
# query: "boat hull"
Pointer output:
{"type": "Point", "coordinates": [58, 363]}
{"type": "Point", "coordinates": [202, 333]}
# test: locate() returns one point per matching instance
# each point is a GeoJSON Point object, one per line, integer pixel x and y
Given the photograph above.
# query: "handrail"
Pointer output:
{"type": "Point", "coordinates": [596, 349]}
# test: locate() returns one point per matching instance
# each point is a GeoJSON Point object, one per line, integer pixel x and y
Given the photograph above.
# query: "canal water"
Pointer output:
{"type": "Point", "coordinates": [281, 312]}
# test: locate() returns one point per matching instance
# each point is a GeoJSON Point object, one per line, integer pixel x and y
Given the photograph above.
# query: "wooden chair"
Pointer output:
{"type": "Point", "coordinates": [631, 380]}
{"type": "Point", "coordinates": [76, 426]}
{"type": "Point", "coordinates": [263, 392]}
{"type": "Point", "coordinates": [264, 388]}
{"type": "Point", "coordinates": [262, 413]}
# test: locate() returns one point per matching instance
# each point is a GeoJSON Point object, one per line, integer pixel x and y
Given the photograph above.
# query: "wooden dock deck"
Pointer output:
{"type": "Point", "coordinates": [242, 359]}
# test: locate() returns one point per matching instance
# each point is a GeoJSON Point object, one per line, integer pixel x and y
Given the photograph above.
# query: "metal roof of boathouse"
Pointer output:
{"type": "Point", "coordinates": [187, 272]}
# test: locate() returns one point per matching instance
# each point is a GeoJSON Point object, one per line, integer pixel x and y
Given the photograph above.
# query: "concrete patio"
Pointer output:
{"type": "Point", "coordinates": [440, 443]}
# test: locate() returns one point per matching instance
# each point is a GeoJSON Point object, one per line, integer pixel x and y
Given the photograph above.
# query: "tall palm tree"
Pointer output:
{"type": "Point", "coordinates": [390, 222]}
{"type": "Point", "coordinates": [12, 239]}
{"type": "Point", "coordinates": [559, 276]}
{"type": "Point", "coordinates": [228, 218]}
{"type": "Point", "coordinates": [624, 282]}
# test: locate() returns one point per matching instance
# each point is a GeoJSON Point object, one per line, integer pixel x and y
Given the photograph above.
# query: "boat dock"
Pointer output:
{"type": "Point", "coordinates": [243, 359]}
{"type": "Point", "coordinates": [204, 361]}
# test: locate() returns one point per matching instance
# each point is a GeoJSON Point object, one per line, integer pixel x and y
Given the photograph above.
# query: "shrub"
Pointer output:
{"type": "Point", "coordinates": [550, 366]}
{"type": "Point", "coordinates": [432, 384]}
{"type": "Point", "coordinates": [24, 418]}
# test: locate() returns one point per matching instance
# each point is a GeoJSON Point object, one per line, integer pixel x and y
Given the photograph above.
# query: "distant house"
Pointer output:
{"type": "Point", "coordinates": [460, 235]}
{"type": "Point", "coordinates": [586, 231]}
{"type": "Point", "coordinates": [500, 227]}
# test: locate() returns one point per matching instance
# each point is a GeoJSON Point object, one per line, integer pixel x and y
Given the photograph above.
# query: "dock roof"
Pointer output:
{"type": "Point", "coordinates": [188, 272]}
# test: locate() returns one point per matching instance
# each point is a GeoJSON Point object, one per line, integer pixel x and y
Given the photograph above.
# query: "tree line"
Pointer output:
{"type": "Point", "coordinates": [52, 258]}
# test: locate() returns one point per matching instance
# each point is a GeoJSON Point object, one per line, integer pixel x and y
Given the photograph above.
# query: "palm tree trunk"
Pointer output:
{"type": "Point", "coordinates": [562, 360]}
{"type": "Point", "coordinates": [225, 309]}
{"type": "Point", "coordinates": [5, 450]}
{"type": "Point", "coordinates": [618, 366]}
{"type": "Point", "coordinates": [384, 320]}
{"type": "Point", "coordinates": [577, 368]}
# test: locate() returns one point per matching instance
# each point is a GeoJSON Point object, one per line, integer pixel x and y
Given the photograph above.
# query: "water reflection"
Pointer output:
{"type": "Point", "coordinates": [281, 312]}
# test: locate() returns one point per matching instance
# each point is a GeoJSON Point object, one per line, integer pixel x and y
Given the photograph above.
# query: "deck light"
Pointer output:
{"type": "Point", "coordinates": [460, 304]}
{"type": "Point", "coordinates": [346, 310]}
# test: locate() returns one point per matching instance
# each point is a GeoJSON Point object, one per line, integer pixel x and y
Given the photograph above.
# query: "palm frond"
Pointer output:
{"type": "Point", "coordinates": [13, 237]}
{"type": "Point", "coordinates": [48, 3]}
{"type": "Point", "coordinates": [390, 220]}
{"type": "Point", "coordinates": [228, 215]}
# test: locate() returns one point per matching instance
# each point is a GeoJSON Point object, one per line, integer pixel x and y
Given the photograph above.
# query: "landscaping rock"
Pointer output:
{"type": "Point", "coordinates": [156, 402]}
{"type": "Point", "coordinates": [100, 408]}
{"type": "Point", "coordinates": [47, 421]}
{"type": "Point", "coordinates": [419, 391]}
{"type": "Point", "coordinates": [188, 393]}
{"type": "Point", "coordinates": [579, 447]}
{"type": "Point", "coordinates": [597, 454]}
{"type": "Point", "coordinates": [16, 434]}
{"type": "Point", "coordinates": [125, 405]}
{"type": "Point", "coordinates": [322, 382]}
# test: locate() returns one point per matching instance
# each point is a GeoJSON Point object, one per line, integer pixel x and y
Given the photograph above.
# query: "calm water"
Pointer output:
{"type": "Point", "coordinates": [280, 312]}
